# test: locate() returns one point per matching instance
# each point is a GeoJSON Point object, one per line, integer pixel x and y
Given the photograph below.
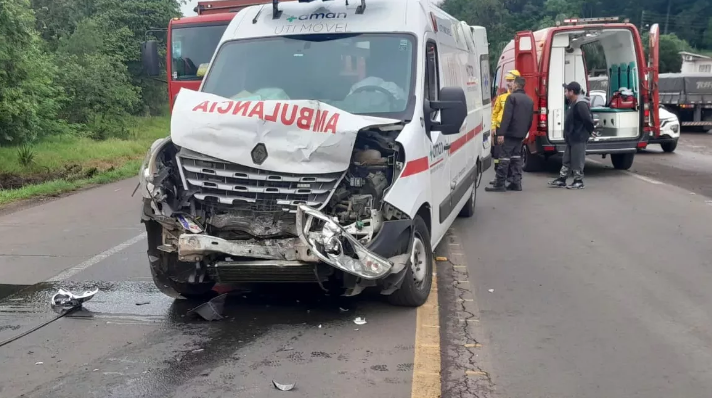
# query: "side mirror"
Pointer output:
{"type": "Point", "coordinates": [452, 105]}
{"type": "Point", "coordinates": [149, 57]}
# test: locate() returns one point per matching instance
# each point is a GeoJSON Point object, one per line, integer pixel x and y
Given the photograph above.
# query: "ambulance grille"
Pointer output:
{"type": "Point", "coordinates": [239, 187]}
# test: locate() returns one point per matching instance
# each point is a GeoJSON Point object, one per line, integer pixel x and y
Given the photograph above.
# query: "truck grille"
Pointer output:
{"type": "Point", "coordinates": [246, 188]}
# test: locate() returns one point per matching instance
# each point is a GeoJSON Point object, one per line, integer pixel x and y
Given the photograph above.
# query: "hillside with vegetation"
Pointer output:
{"type": "Point", "coordinates": [686, 24]}
{"type": "Point", "coordinates": [74, 103]}
{"type": "Point", "coordinates": [76, 107]}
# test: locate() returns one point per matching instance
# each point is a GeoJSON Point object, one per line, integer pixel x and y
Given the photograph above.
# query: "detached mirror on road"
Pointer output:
{"type": "Point", "coordinates": [453, 111]}
{"type": "Point", "coordinates": [149, 57]}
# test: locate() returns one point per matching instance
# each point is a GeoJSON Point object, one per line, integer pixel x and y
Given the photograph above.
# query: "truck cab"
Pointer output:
{"type": "Point", "coordinates": [555, 56]}
{"type": "Point", "coordinates": [330, 142]}
{"type": "Point", "coordinates": [191, 43]}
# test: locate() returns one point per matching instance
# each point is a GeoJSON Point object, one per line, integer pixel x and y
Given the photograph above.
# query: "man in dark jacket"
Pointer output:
{"type": "Point", "coordinates": [578, 127]}
{"type": "Point", "coordinates": [517, 118]}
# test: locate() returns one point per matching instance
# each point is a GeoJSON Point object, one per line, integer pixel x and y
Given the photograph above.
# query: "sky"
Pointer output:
{"type": "Point", "coordinates": [188, 8]}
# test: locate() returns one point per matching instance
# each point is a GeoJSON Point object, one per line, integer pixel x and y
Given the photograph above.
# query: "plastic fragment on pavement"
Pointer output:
{"type": "Point", "coordinates": [283, 387]}
{"type": "Point", "coordinates": [491, 290]}
{"type": "Point", "coordinates": [440, 258]}
{"type": "Point", "coordinates": [211, 310]}
{"type": "Point", "coordinates": [66, 300]}
{"type": "Point", "coordinates": [360, 321]}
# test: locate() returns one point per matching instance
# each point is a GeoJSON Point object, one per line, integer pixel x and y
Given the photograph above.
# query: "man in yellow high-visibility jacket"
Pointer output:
{"type": "Point", "coordinates": [497, 112]}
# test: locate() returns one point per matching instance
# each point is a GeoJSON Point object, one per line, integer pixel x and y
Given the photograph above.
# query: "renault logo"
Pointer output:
{"type": "Point", "coordinates": [259, 153]}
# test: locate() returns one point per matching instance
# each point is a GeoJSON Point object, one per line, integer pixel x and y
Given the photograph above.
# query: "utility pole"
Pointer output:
{"type": "Point", "coordinates": [642, 20]}
{"type": "Point", "coordinates": [667, 17]}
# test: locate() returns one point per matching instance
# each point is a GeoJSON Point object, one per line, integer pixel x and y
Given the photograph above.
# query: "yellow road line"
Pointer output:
{"type": "Point", "coordinates": [426, 361]}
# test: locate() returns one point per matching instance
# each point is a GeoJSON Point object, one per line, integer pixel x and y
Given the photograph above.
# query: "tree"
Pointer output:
{"type": "Point", "coordinates": [97, 84]}
{"type": "Point", "coordinates": [28, 99]}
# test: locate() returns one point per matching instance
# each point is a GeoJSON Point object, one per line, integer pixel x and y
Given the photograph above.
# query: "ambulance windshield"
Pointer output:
{"type": "Point", "coordinates": [369, 74]}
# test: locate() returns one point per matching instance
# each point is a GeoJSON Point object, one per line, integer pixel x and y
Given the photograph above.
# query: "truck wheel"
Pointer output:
{"type": "Point", "coordinates": [669, 146]}
{"type": "Point", "coordinates": [418, 279]}
{"type": "Point", "coordinates": [532, 163]}
{"type": "Point", "coordinates": [469, 209]}
{"type": "Point", "coordinates": [622, 161]}
{"type": "Point", "coordinates": [165, 267]}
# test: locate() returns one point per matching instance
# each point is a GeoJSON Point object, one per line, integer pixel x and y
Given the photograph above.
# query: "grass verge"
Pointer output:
{"type": "Point", "coordinates": [91, 162]}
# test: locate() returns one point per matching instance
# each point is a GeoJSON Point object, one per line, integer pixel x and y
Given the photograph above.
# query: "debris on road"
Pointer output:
{"type": "Point", "coordinates": [66, 300]}
{"type": "Point", "coordinates": [360, 321]}
{"type": "Point", "coordinates": [440, 258]}
{"type": "Point", "coordinates": [211, 310]}
{"type": "Point", "coordinates": [39, 363]}
{"type": "Point", "coordinates": [343, 309]}
{"type": "Point", "coordinates": [143, 303]}
{"type": "Point", "coordinates": [491, 290]}
{"type": "Point", "coordinates": [198, 350]}
{"type": "Point", "coordinates": [283, 387]}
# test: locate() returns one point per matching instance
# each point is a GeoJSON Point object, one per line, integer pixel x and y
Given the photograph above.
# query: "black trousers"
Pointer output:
{"type": "Point", "coordinates": [510, 161]}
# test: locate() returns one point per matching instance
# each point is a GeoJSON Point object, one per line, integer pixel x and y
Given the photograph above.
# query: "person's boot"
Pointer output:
{"type": "Point", "coordinates": [496, 188]}
{"type": "Point", "coordinates": [577, 184]}
{"type": "Point", "coordinates": [514, 187]}
{"type": "Point", "coordinates": [559, 182]}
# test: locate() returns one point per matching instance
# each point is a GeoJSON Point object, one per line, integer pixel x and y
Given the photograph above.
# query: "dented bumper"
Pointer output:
{"type": "Point", "coordinates": [328, 245]}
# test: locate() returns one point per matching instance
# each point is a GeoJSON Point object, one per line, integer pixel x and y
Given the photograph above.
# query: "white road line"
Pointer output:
{"type": "Point", "coordinates": [630, 173]}
{"type": "Point", "coordinates": [68, 273]}
{"type": "Point", "coordinates": [644, 178]}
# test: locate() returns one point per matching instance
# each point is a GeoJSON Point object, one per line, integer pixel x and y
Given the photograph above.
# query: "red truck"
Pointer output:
{"type": "Point", "coordinates": [191, 43]}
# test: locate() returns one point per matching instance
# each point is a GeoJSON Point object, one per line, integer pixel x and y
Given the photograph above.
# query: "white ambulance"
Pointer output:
{"type": "Point", "coordinates": [332, 142]}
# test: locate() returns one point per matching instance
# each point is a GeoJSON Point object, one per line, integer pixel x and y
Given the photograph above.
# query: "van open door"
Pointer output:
{"type": "Point", "coordinates": [653, 72]}
{"type": "Point", "coordinates": [525, 61]}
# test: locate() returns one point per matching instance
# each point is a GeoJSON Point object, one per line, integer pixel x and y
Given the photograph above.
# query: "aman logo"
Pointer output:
{"type": "Point", "coordinates": [318, 16]}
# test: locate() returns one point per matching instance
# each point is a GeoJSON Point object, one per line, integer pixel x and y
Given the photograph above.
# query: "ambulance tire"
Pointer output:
{"type": "Point", "coordinates": [622, 161]}
{"type": "Point", "coordinates": [415, 289]}
{"type": "Point", "coordinates": [469, 209]}
{"type": "Point", "coordinates": [532, 163]}
{"type": "Point", "coordinates": [164, 266]}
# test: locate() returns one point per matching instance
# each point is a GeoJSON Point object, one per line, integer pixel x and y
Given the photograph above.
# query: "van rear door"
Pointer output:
{"type": "Point", "coordinates": [526, 63]}
{"type": "Point", "coordinates": [653, 72]}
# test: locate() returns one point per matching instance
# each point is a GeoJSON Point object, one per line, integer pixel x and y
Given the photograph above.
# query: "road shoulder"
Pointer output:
{"type": "Point", "coordinates": [464, 347]}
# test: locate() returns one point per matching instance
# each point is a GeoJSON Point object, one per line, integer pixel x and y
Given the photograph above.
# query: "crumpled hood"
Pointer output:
{"type": "Point", "coordinates": [300, 136]}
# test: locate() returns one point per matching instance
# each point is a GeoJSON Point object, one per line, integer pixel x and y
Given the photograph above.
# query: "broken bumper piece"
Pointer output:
{"type": "Point", "coordinates": [193, 246]}
{"type": "Point", "coordinates": [328, 245]}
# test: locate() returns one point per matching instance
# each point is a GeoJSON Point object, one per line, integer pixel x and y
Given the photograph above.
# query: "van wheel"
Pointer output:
{"type": "Point", "coordinates": [166, 270]}
{"type": "Point", "coordinates": [622, 161]}
{"type": "Point", "coordinates": [469, 209]}
{"type": "Point", "coordinates": [531, 162]}
{"type": "Point", "coordinates": [669, 146]}
{"type": "Point", "coordinates": [418, 279]}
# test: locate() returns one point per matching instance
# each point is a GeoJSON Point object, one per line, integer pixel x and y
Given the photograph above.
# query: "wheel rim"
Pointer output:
{"type": "Point", "coordinates": [418, 261]}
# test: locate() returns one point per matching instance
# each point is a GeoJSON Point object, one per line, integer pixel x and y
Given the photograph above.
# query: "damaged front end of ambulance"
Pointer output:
{"type": "Point", "coordinates": [274, 191]}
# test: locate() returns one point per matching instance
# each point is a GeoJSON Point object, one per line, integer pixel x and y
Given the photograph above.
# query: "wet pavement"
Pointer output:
{"type": "Point", "coordinates": [132, 341]}
{"type": "Point", "coordinates": [545, 293]}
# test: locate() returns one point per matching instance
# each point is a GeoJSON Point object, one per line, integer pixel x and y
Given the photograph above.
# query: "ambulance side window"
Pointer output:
{"type": "Point", "coordinates": [432, 86]}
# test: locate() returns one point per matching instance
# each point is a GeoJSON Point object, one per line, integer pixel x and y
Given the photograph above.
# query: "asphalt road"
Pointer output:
{"type": "Point", "coordinates": [545, 293]}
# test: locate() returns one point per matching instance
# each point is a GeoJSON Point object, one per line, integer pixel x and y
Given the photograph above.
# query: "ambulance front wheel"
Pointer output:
{"type": "Point", "coordinates": [532, 163]}
{"type": "Point", "coordinates": [415, 289]}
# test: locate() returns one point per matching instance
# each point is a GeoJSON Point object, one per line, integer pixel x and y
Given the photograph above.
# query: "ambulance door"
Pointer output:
{"type": "Point", "coordinates": [653, 104]}
{"type": "Point", "coordinates": [459, 148]}
{"type": "Point", "coordinates": [439, 164]}
{"type": "Point", "coordinates": [525, 61]}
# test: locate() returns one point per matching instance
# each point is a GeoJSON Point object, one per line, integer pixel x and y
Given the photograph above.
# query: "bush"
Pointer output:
{"type": "Point", "coordinates": [97, 85]}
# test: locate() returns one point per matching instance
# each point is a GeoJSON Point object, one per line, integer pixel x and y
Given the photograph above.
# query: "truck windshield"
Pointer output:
{"type": "Point", "coordinates": [192, 46]}
{"type": "Point", "coordinates": [368, 74]}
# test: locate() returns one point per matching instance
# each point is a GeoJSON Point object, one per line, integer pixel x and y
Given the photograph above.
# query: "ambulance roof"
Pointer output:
{"type": "Point", "coordinates": [323, 17]}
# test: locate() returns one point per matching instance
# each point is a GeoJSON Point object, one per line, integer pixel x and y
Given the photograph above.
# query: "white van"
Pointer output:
{"type": "Point", "coordinates": [331, 143]}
